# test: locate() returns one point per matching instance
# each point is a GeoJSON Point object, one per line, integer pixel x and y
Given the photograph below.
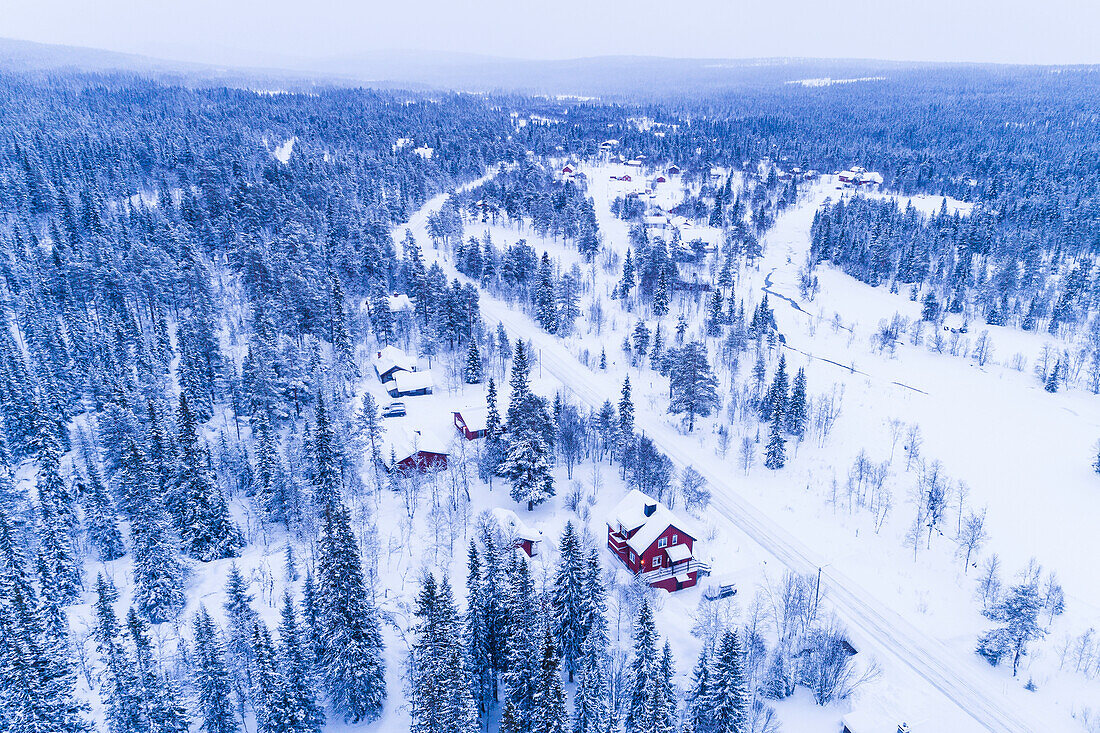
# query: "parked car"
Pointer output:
{"type": "Point", "coordinates": [394, 409]}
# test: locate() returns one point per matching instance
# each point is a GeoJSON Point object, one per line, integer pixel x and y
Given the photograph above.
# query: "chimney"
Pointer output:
{"type": "Point", "coordinates": [649, 509]}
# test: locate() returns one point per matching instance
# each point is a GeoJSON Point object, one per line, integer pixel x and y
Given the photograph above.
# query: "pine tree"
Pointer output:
{"type": "Point", "coordinates": [121, 690]}
{"type": "Point", "coordinates": [1052, 381]}
{"type": "Point", "coordinates": [99, 513]}
{"type": "Point", "coordinates": [729, 698]}
{"type": "Point", "coordinates": [592, 704]}
{"type": "Point", "coordinates": [266, 690]}
{"type": "Point", "coordinates": [302, 713]}
{"type": "Point", "coordinates": [700, 711]}
{"type": "Point", "coordinates": [205, 525]}
{"type": "Point", "coordinates": [473, 364]}
{"type": "Point", "coordinates": [796, 414]}
{"type": "Point", "coordinates": [476, 630]}
{"type": "Point", "coordinates": [692, 383]}
{"type": "Point", "coordinates": [354, 672]}
{"type": "Point", "coordinates": [775, 454]}
{"type": "Point", "coordinates": [641, 717]}
{"type": "Point", "coordinates": [211, 678]}
{"type": "Point", "coordinates": [546, 311]}
{"type": "Point", "coordinates": [526, 466]}
{"type": "Point", "coordinates": [626, 284]}
{"type": "Point", "coordinates": [569, 599]}
{"type": "Point", "coordinates": [549, 700]}
{"type": "Point", "coordinates": [160, 699]}
{"type": "Point", "coordinates": [441, 700]}
{"type": "Point", "coordinates": [158, 572]}
{"type": "Point", "coordinates": [328, 481]}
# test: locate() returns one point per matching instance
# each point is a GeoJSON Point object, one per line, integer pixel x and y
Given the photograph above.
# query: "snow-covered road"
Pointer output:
{"type": "Point", "coordinates": [872, 623]}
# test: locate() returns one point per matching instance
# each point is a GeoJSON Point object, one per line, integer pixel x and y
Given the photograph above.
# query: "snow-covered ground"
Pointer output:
{"type": "Point", "coordinates": [1022, 453]}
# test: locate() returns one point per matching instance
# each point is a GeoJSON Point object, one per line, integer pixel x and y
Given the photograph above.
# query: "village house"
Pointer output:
{"type": "Point", "coordinates": [390, 361]}
{"type": "Point", "coordinates": [400, 303]}
{"type": "Point", "coordinates": [673, 170]}
{"type": "Point", "coordinates": [410, 384]}
{"type": "Point", "coordinates": [522, 537]}
{"type": "Point", "coordinates": [472, 422]}
{"type": "Point", "coordinates": [414, 451]}
{"type": "Point", "coordinates": [654, 543]}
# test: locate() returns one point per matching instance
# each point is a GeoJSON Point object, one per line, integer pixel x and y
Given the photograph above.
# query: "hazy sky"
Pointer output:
{"type": "Point", "coordinates": [276, 32]}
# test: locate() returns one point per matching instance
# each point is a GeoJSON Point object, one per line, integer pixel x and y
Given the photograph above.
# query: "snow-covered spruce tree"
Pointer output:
{"type": "Point", "coordinates": [641, 717]}
{"type": "Point", "coordinates": [328, 481]}
{"type": "Point", "coordinates": [479, 660]}
{"type": "Point", "coordinates": [57, 523]}
{"type": "Point", "coordinates": [550, 715]}
{"type": "Point", "coordinates": [120, 689]}
{"type": "Point", "coordinates": [99, 517]}
{"type": "Point", "coordinates": [528, 454]}
{"type": "Point", "coordinates": [796, 414]}
{"type": "Point", "coordinates": [265, 690]}
{"type": "Point", "coordinates": [352, 664]}
{"type": "Point", "coordinates": [205, 525]}
{"type": "Point", "coordinates": [692, 383]}
{"type": "Point", "coordinates": [38, 690]}
{"type": "Point", "coordinates": [700, 711]}
{"type": "Point", "coordinates": [729, 696]}
{"type": "Point", "coordinates": [626, 283]}
{"type": "Point", "coordinates": [775, 453]}
{"type": "Point", "coordinates": [569, 599]}
{"type": "Point", "coordinates": [210, 678]}
{"type": "Point", "coordinates": [625, 435]}
{"type": "Point", "coordinates": [472, 373]}
{"type": "Point", "coordinates": [158, 572]}
{"type": "Point", "coordinates": [523, 627]}
{"type": "Point", "coordinates": [715, 315]}
{"type": "Point", "coordinates": [441, 701]}
{"type": "Point", "coordinates": [241, 621]}
{"type": "Point", "coordinates": [303, 714]}
{"type": "Point", "coordinates": [495, 609]}
{"type": "Point", "coordinates": [592, 702]}
{"type": "Point", "coordinates": [160, 698]}
{"type": "Point", "coordinates": [775, 401]}
{"type": "Point", "coordinates": [546, 312]}
{"type": "Point", "coordinates": [661, 296]}
{"type": "Point", "coordinates": [664, 703]}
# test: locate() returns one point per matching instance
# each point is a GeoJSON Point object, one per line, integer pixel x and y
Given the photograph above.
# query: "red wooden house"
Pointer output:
{"type": "Point", "coordinates": [472, 422]}
{"type": "Point", "coordinates": [522, 537]}
{"type": "Point", "coordinates": [651, 541]}
{"type": "Point", "coordinates": [409, 452]}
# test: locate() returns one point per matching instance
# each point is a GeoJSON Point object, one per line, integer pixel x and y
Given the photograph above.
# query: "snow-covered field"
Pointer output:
{"type": "Point", "coordinates": [1022, 453]}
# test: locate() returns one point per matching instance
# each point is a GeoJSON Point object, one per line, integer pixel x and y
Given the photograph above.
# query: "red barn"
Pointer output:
{"type": "Point", "coordinates": [651, 541]}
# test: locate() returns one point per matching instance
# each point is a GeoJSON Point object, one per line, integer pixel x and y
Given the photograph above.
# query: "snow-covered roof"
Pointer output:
{"type": "Point", "coordinates": [678, 553]}
{"type": "Point", "coordinates": [656, 221]}
{"type": "Point", "coordinates": [476, 418]}
{"type": "Point", "coordinates": [846, 174]}
{"type": "Point", "coordinates": [390, 357]}
{"type": "Point", "coordinates": [511, 524]}
{"type": "Point", "coordinates": [403, 443]}
{"type": "Point", "coordinates": [634, 163]}
{"type": "Point", "coordinates": [400, 302]}
{"type": "Point", "coordinates": [413, 381]}
{"type": "Point", "coordinates": [630, 514]}
{"type": "Point", "coordinates": [871, 177]}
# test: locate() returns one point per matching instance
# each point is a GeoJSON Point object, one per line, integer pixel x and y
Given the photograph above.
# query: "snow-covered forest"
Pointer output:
{"type": "Point", "coordinates": [331, 409]}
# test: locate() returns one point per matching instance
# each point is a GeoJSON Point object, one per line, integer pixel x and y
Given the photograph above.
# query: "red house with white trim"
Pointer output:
{"type": "Point", "coordinates": [522, 537]}
{"type": "Point", "coordinates": [650, 540]}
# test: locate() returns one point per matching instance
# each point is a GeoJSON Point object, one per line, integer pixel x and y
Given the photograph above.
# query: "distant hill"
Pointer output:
{"type": "Point", "coordinates": [610, 77]}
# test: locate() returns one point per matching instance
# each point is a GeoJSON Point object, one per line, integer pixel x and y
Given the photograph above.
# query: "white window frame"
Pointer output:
{"type": "Point", "coordinates": [632, 558]}
{"type": "Point", "coordinates": [674, 538]}
{"type": "Point", "coordinates": [657, 561]}
{"type": "Point", "coordinates": [662, 543]}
